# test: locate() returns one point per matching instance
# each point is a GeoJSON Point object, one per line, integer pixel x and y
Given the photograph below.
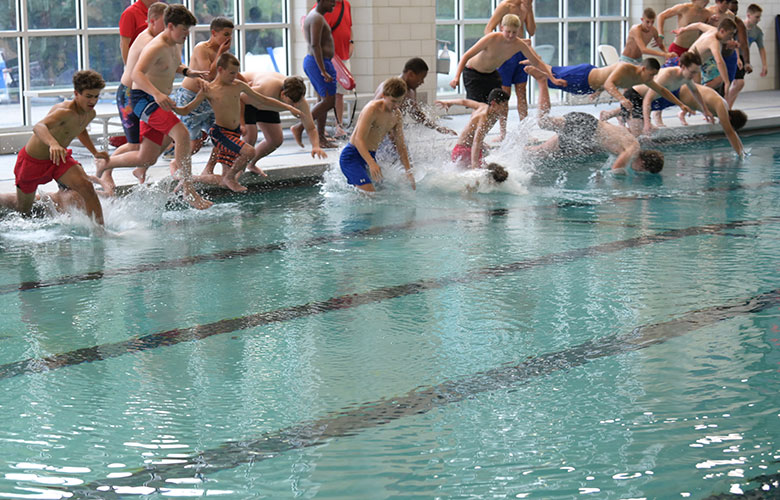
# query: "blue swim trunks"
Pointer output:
{"type": "Point", "coordinates": [312, 71]}
{"type": "Point", "coordinates": [576, 77]}
{"type": "Point", "coordinates": [354, 167]}
{"type": "Point", "coordinates": [661, 103]}
{"type": "Point", "coordinates": [512, 71]}
{"type": "Point", "coordinates": [731, 65]}
{"type": "Point", "coordinates": [130, 122]}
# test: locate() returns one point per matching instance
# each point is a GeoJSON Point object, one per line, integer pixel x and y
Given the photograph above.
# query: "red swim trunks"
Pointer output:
{"type": "Point", "coordinates": [228, 144]}
{"type": "Point", "coordinates": [31, 172]}
{"type": "Point", "coordinates": [462, 155]}
{"type": "Point", "coordinates": [158, 124]}
{"type": "Point", "coordinates": [677, 49]}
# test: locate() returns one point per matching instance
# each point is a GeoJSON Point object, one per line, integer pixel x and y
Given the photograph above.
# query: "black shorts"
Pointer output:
{"type": "Point", "coordinates": [740, 75]}
{"type": "Point", "coordinates": [636, 105]}
{"type": "Point", "coordinates": [253, 115]}
{"type": "Point", "coordinates": [478, 85]}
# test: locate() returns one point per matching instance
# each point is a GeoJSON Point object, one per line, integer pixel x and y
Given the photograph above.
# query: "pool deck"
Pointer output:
{"type": "Point", "coordinates": [291, 164]}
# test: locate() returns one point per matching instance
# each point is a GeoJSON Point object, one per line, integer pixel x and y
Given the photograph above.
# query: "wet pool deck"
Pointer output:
{"type": "Point", "coordinates": [292, 164]}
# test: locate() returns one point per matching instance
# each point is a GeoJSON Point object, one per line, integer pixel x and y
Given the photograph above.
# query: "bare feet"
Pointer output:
{"type": "Point", "coordinates": [256, 170]}
{"type": "Point", "coordinates": [535, 72]}
{"type": "Point", "coordinates": [297, 132]}
{"type": "Point", "coordinates": [325, 143]}
{"type": "Point", "coordinates": [192, 197]}
{"type": "Point", "coordinates": [682, 118]}
{"type": "Point", "coordinates": [140, 174]}
{"type": "Point", "coordinates": [229, 182]}
{"type": "Point", "coordinates": [604, 116]}
{"type": "Point", "coordinates": [101, 164]}
{"type": "Point", "coordinates": [107, 183]}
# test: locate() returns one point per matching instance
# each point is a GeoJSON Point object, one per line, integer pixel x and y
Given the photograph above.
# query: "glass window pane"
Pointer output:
{"type": "Point", "coordinates": [445, 9]}
{"type": "Point", "coordinates": [102, 14]}
{"type": "Point", "coordinates": [477, 9]}
{"type": "Point", "coordinates": [258, 57]}
{"type": "Point", "coordinates": [610, 7]}
{"type": "Point", "coordinates": [46, 14]}
{"type": "Point", "coordinates": [546, 42]}
{"type": "Point", "coordinates": [263, 11]}
{"type": "Point", "coordinates": [471, 34]}
{"type": "Point", "coordinates": [8, 20]}
{"type": "Point", "coordinates": [609, 33]}
{"type": "Point", "coordinates": [10, 106]}
{"type": "Point", "coordinates": [53, 60]}
{"type": "Point", "coordinates": [207, 10]}
{"type": "Point", "coordinates": [546, 8]}
{"type": "Point", "coordinates": [105, 58]}
{"type": "Point", "coordinates": [579, 8]}
{"type": "Point", "coordinates": [579, 43]}
{"type": "Point", "coordinates": [445, 52]}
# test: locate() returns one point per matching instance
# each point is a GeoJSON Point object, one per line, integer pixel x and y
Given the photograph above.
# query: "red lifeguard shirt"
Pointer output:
{"type": "Point", "coordinates": [133, 20]}
{"type": "Point", "coordinates": [342, 33]}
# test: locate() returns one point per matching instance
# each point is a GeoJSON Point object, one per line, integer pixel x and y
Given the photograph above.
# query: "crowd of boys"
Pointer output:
{"type": "Point", "coordinates": [701, 66]}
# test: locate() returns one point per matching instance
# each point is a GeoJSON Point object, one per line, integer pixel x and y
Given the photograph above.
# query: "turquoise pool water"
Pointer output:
{"type": "Point", "coordinates": [574, 334]}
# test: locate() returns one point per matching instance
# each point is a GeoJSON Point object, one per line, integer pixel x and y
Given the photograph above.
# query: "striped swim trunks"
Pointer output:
{"type": "Point", "coordinates": [227, 142]}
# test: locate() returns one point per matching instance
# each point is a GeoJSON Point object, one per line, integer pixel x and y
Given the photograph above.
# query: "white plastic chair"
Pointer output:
{"type": "Point", "coordinates": [546, 52]}
{"type": "Point", "coordinates": [607, 54]}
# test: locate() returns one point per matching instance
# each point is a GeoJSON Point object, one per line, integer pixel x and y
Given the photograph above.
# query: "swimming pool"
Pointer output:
{"type": "Point", "coordinates": [581, 335]}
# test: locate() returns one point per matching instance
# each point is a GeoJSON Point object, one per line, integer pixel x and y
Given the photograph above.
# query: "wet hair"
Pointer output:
{"type": "Point", "coordinates": [294, 88]}
{"type": "Point", "coordinates": [754, 9]}
{"type": "Point", "coordinates": [651, 63]}
{"type": "Point", "coordinates": [394, 87]}
{"type": "Point", "coordinates": [156, 10]}
{"type": "Point", "coordinates": [648, 13]}
{"type": "Point", "coordinates": [738, 118]}
{"type": "Point", "coordinates": [227, 59]}
{"type": "Point", "coordinates": [510, 21]}
{"type": "Point", "coordinates": [416, 65]}
{"type": "Point", "coordinates": [179, 14]}
{"type": "Point", "coordinates": [220, 23]}
{"type": "Point", "coordinates": [727, 24]}
{"type": "Point", "coordinates": [497, 172]}
{"type": "Point", "coordinates": [690, 57]}
{"type": "Point", "coordinates": [87, 80]}
{"type": "Point", "coordinates": [652, 160]}
{"type": "Point", "coordinates": [497, 95]}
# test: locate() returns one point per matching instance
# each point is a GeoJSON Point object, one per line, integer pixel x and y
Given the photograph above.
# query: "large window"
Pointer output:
{"type": "Point", "coordinates": [44, 42]}
{"type": "Point", "coordinates": [567, 31]}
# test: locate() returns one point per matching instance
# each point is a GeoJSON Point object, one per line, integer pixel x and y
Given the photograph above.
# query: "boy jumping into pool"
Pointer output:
{"type": "Point", "coordinates": [44, 157]}
{"type": "Point", "coordinates": [577, 132]}
{"type": "Point", "coordinates": [152, 83]}
{"type": "Point", "coordinates": [225, 94]}
{"type": "Point", "coordinates": [378, 118]}
{"type": "Point", "coordinates": [471, 143]}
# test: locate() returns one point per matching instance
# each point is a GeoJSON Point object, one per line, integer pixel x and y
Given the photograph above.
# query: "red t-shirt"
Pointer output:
{"type": "Point", "coordinates": [133, 20]}
{"type": "Point", "coordinates": [342, 33]}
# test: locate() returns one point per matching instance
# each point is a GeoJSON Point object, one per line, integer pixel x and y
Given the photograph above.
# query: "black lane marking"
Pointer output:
{"type": "Point", "coordinates": [273, 247]}
{"type": "Point", "coordinates": [198, 332]}
{"type": "Point", "coordinates": [355, 419]}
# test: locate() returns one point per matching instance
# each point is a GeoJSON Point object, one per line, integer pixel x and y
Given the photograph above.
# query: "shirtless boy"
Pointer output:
{"type": "Point", "coordinates": [225, 94]}
{"type": "Point", "coordinates": [152, 83]}
{"type": "Point", "coordinates": [414, 73]}
{"type": "Point", "coordinates": [204, 58]}
{"type": "Point", "coordinates": [378, 118]}
{"type": "Point", "coordinates": [671, 78]}
{"type": "Point", "coordinates": [44, 157]}
{"type": "Point", "coordinates": [686, 13]}
{"type": "Point", "coordinates": [480, 63]}
{"type": "Point", "coordinates": [318, 66]}
{"type": "Point", "coordinates": [130, 122]}
{"type": "Point", "coordinates": [470, 147]}
{"type": "Point", "coordinates": [730, 120]}
{"type": "Point", "coordinates": [578, 131]}
{"type": "Point", "coordinates": [290, 90]}
{"type": "Point", "coordinates": [639, 36]}
{"type": "Point", "coordinates": [709, 46]}
{"type": "Point", "coordinates": [512, 71]}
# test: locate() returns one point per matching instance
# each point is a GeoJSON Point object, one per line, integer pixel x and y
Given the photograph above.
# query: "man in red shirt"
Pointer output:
{"type": "Point", "coordinates": [340, 22]}
{"type": "Point", "coordinates": [131, 24]}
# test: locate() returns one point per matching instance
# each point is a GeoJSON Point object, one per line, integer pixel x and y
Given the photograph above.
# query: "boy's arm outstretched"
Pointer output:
{"type": "Point", "coordinates": [187, 109]}
{"type": "Point", "coordinates": [311, 130]}
{"type": "Point", "coordinates": [474, 50]}
{"type": "Point", "coordinates": [86, 140]}
{"type": "Point", "coordinates": [261, 101]}
{"type": "Point", "coordinates": [467, 103]}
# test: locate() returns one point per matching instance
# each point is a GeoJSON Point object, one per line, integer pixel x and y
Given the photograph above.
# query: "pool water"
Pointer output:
{"type": "Point", "coordinates": [570, 334]}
